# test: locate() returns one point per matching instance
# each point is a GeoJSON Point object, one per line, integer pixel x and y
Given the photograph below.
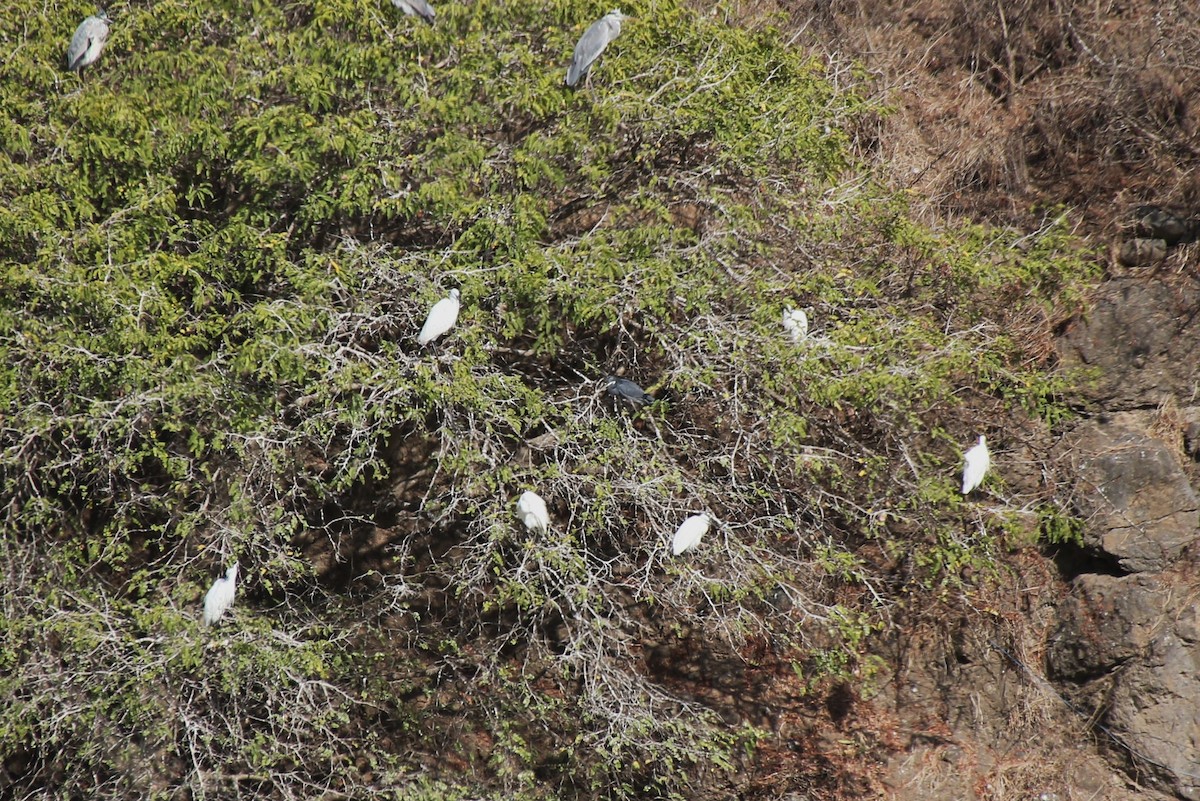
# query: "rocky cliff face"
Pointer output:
{"type": "Point", "coordinates": [1125, 644]}
{"type": "Point", "coordinates": [1081, 678]}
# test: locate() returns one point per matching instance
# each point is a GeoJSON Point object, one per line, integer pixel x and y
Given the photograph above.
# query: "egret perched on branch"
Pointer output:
{"type": "Point", "coordinates": [795, 322]}
{"type": "Point", "coordinates": [688, 535]}
{"type": "Point", "coordinates": [88, 42]}
{"type": "Point", "coordinates": [220, 596]}
{"type": "Point", "coordinates": [626, 390]}
{"type": "Point", "coordinates": [418, 7]}
{"type": "Point", "coordinates": [592, 44]}
{"type": "Point", "coordinates": [976, 463]}
{"type": "Point", "coordinates": [532, 511]}
{"type": "Point", "coordinates": [441, 318]}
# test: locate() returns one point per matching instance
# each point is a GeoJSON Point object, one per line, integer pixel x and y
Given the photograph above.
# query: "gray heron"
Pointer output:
{"type": "Point", "coordinates": [626, 390]}
{"type": "Point", "coordinates": [88, 42]}
{"type": "Point", "coordinates": [420, 8]}
{"type": "Point", "coordinates": [592, 44]}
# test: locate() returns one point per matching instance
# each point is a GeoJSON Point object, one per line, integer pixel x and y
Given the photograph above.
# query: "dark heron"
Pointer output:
{"type": "Point", "coordinates": [626, 390]}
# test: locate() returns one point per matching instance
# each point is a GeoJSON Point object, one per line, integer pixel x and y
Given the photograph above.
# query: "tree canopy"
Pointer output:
{"type": "Point", "coordinates": [218, 244]}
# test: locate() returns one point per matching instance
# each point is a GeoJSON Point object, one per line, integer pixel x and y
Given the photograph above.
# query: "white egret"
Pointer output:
{"type": "Point", "coordinates": [441, 318]}
{"type": "Point", "coordinates": [688, 534]}
{"type": "Point", "coordinates": [624, 389]}
{"type": "Point", "coordinates": [220, 596]}
{"type": "Point", "coordinates": [418, 7]}
{"type": "Point", "coordinates": [976, 463]}
{"type": "Point", "coordinates": [795, 323]}
{"type": "Point", "coordinates": [592, 44]}
{"type": "Point", "coordinates": [88, 42]}
{"type": "Point", "coordinates": [532, 511]}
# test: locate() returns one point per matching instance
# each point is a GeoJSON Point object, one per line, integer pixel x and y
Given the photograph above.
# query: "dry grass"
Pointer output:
{"type": "Point", "coordinates": [1005, 108]}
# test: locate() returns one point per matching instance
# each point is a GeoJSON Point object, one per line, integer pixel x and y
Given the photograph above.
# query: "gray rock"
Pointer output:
{"type": "Point", "coordinates": [1142, 339]}
{"type": "Point", "coordinates": [1134, 495]}
{"type": "Point", "coordinates": [1135, 637]}
{"type": "Point", "coordinates": [1154, 712]}
{"type": "Point", "coordinates": [1156, 222]}
{"type": "Point", "coordinates": [1142, 252]}
{"type": "Point", "coordinates": [1107, 621]}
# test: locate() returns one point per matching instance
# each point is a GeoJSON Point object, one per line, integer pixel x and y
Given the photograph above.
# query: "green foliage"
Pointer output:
{"type": "Point", "coordinates": [1057, 527]}
{"type": "Point", "coordinates": [217, 245]}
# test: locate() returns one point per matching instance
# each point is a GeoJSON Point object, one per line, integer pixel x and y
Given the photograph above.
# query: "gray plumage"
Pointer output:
{"type": "Point", "coordinates": [420, 8]}
{"type": "Point", "coordinates": [592, 44]}
{"type": "Point", "coordinates": [88, 42]}
{"type": "Point", "coordinates": [626, 390]}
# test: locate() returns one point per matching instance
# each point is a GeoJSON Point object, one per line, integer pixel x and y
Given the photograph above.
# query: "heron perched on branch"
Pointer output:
{"type": "Point", "coordinates": [220, 596]}
{"type": "Point", "coordinates": [441, 318]}
{"type": "Point", "coordinates": [88, 42]}
{"type": "Point", "coordinates": [626, 390]}
{"type": "Point", "coordinates": [688, 535]}
{"type": "Point", "coordinates": [419, 8]}
{"type": "Point", "coordinates": [795, 323]}
{"type": "Point", "coordinates": [532, 511]}
{"type": "Point", "coordinates": [976, 463]}
{"type": "Point", "coordinates": [592, 44]}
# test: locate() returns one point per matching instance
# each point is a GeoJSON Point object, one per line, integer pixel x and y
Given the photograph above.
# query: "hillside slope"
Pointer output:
{"type": "Point", "coordinates": [218, 244]}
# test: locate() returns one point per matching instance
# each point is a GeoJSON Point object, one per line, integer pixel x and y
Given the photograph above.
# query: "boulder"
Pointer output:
{"type": "Point", "coordinates": [1107, 621]}
{"type": "Point", "coordinates": [1155, 222]}
{"type": "Point", "coordinates": [1133, 494]}
{"type": "Point", "coordinates": [1153, 710]}
{"type": "Point", "coordinates": [1142, 252]}
{"type": "Point", "coordinates": [1134, 643]}
{"type": "Point", "coordinates": [1141, 341]}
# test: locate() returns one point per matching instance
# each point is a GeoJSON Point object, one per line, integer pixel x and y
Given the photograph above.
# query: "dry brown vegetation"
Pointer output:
{"type": "Point", "coordinates": [1005, 109]}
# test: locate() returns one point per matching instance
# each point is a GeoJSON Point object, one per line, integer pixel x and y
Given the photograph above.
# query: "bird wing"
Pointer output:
{"type": "Point", "coordinates": [417, 7]}
{"type": "Point", "coordinates": [977, 460]}
{"type": "Point", "coordinates": [689, 533]}
{"type": "Point", "coordinates": [78, 46]}
{"type": "Point", "coordinates": [440, 320]}
{"type": "Point", "coordinates": [217, 601]}
{"type": "Point", "coordinates": [588, 49]}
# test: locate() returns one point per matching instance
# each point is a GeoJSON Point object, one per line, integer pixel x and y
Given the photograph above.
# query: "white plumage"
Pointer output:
{"type": "Point", "coordinates": [795, 323]}
{"type": "Point", "coordinates": [418, 7]}
{"type": "Point", "coordinates": [88, 42]}
{"type": "Point", "coordinates": [976, 463]}
{"type": "Point", "coordinates": [441, 318]}
{"type": "Point", "coordinates": [592, 44]}
{"type": "Point", "coordinates": [220, 596]}
{"type": "Point", "coordinates": [688, 534]}
{"type": "Point", "coordinates": [532, 511]}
